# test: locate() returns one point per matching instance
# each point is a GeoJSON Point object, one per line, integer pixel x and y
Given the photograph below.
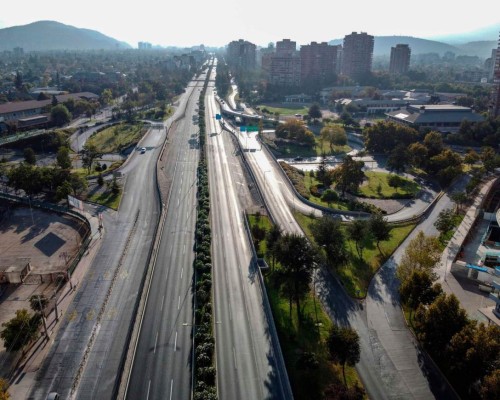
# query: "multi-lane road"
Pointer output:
{"type": "Point", "coordinates": [248, 361]}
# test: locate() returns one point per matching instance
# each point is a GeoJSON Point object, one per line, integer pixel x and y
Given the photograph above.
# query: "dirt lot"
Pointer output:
{"type": "Point", "coordinates": [47, 245]}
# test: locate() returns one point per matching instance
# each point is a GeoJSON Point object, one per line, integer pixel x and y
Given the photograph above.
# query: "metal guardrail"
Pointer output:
{"type": "Point", "coordinates": [22, 136]}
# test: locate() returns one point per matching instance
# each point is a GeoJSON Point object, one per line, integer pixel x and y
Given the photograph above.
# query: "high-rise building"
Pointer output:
{"type": "Point", "coordinates": [400, 59]}
{"type": "Point", "coordinates": [241, 54]}
{"type": "Point", "coordinates": [495, 103]}
{"type": "Point", "coordinates": [283, 66]}
{"type": "Point", "coordinates": [357, 55]}
{"type": "Point", "coordinates": [145, 46]}
{"type": "Point", "coordinates": [318, 61]}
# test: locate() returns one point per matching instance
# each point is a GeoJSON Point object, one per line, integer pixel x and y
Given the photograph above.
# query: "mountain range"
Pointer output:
{"type": "Point", "coordinates": [383, 44]}
{"type": "Point", "coordinates": [52, 35]}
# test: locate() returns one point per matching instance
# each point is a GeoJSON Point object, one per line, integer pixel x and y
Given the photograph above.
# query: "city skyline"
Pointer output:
{"type": "Point", "coordinates": [217, 24]}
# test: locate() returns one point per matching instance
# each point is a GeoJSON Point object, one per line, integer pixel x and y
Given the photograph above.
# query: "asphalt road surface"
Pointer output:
{"type": "Point", "coordinates": [162, 363]}
{"type": "Point", "coordinates": [247, 363]}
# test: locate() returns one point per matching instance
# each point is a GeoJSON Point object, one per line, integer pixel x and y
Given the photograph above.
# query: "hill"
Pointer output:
{"type": "Point", "coordinates": [481, 48]}
{"type": "Point", "coordinates": [51, 35]}
{"type": "Point", "coordinates": [383, 45]}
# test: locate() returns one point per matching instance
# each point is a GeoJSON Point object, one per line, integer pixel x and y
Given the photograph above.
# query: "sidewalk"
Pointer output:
{"type": "Point", "coordinates": [25, 373]}
{"type": "Point", "coordinates": [470, 297]}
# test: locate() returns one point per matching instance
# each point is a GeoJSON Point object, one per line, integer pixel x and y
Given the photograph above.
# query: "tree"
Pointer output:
{"type": "Point", "coordinates": [445, 221]}
{"type": "Point", "coordinates": [418, 289]}
{"type": "Point", "coordinates": [418, 155]}
{"type": "Point", "coordinates": [358, 232]}
{"type": "Point", "coordinates": [272, 239]}
{"type": "Point", "coordinates": [55, 102]}
{"type": "Point", "coordinates": [106, 97]}
{"type": "Point", "coordinates": [62, 158]}
{"type": "Point", "coordinates": [115, 186]}
{"type": "Point", "coordinates": [471, 157]}
{"type": "Point", "coordinates": [489, 158]}
{"type": "Point", "coordinates": [20, 330]}
{"type": "Point", "coordinates": [423, 252]}
{"type": "Point", "coordinates": [314, 112]}
{"type": "Point", "coordinates": [89, 155]}
{"type": "Point", "coordinates": [343, 346]}
{"type": "Point", "coordinates": [29, 156]}
{"type": "Point", "coordinates": [78, 184]}
{"type": "Point", "coordinates": [100, 180]}
{"type": "Point", "coordinates": [297, 259]}
{"type": "Point", "coordinates": [349, 175]}
{"type": "Point", "coordinates": [395, 181]}
{"type": "Point", "coordinates": [379, 229]}
{"type": "Point", "coordinates": [474, 353]}
{"type": "Point", "coordinates": [398, 159]}
{"type": "Point", "coordinates": [330, 196]}
{"type": "Point", "coordinates": [434, 143]}
{"type": "Point", "coordinates": [490, 389]}
{"type": "Point", "coordinates": [382, 137]}
{"type": "Point", "coordinates": [4, 385]}
{"type": "Point", "coordinates": [38, 302]}
{"type": "Point", "coordinates": [460, 198]}
{"type": "Point", "coordinates": [334, 134]}
{"type": "Point", "coordinates": [437, 324]}
{"type": "Point", "coordinates": [328, 234]}
{"type": "Point", "coordinates": [324, 174]}
{"type": "Point", "coordinates": [18, 80]}
{"type": "Point", "coordinates": [60, 115]}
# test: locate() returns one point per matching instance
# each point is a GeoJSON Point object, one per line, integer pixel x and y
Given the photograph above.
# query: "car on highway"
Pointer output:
{"type": "Point", "coordinates": [298, 159]}
{"type": "Point", "coordinates": [143, 150]}
{"type": "Point", "coordinates": [53, 396]}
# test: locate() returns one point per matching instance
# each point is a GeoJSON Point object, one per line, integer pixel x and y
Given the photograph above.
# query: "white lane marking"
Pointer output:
{"type": "Point", "coordinates": [171, 387]}
{"type": "Point", "coordinates": [234, 358]}
{"type": "Point", "coordinates": [178, 201]}
{"type": "Point", "coordinates": [156, 340]}
{"type": "Point", "coordinates": [162, 301]}
{"type": "Point", "coordinates": [149, 387]}
{"type": "Point", "coordinates": [175, 343]}
{"type": "Point", "coordinates": [182, 271]}
{"type": "Point", "coordinates": [184, 251]}
{"type": "Point", "coordinates": [181, 181]}
{"type": "Point", "coordinates": [179, 303]}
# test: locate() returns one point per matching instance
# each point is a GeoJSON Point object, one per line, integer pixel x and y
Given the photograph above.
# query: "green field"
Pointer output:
{"type": "Point", "coordinates": [374, 179]}
{"type": "Point", "coordinates": [117, 137]}
{"type": "Point", "coordinates": [357, 274]}
{"type": "Point", "coordinates": [285, 110]}
{"type": "Point", "coordinates": [307, 336]}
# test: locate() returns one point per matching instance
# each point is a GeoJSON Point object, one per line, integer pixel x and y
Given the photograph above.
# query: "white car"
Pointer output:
{"type": "Point", "coordinates": [143, 150]}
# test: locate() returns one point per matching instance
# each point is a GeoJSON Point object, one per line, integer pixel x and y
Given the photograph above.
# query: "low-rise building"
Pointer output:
{"type": "Point", "coordinates": [442, 118]}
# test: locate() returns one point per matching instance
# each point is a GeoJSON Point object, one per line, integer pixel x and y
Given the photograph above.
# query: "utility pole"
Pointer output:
{"type": "Point", "coordinates": [43, 317]}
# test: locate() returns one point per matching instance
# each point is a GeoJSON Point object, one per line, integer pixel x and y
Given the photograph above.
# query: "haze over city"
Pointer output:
{"type": "Point", "coordinates": [217, 23]}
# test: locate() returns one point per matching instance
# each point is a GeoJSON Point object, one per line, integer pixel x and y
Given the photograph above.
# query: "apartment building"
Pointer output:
{"type": "Point", "coordinates": [241, 54]}
{"type": "Point", "coordinates": [318, 61]}
{"type": "Point", "coordinates": [357, 55]}
{"type": "Point", "coordinates": [284, 65]}
{"type": "Point", "coordinates": [495, 97]}
{"type": "Point", "coordinates": [400, 59]}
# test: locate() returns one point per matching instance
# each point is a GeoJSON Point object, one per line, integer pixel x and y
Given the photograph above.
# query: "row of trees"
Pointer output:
{"type": "Point", "coordinates": [468, 352]}
{"type": "Point", "coordinates": [297, 131]}
{"type": "Point", "coordinates": [204, 370]}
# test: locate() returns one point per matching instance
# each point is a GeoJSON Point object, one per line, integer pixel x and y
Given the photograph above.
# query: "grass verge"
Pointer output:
{"type": "Point", "coordinates": [297, 339]}
{"type": "Point", "coordinates": [379, 180]}
{"type": "Point", "coordinates": [117, 137]}
{"type": "Point", "coordinates": [107, 198]}
{"type": "Point", "coordinates": [358, 272]}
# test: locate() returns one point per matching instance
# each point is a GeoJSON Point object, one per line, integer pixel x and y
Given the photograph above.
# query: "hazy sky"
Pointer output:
{"type": "Point", "coordinates": [215, 23]}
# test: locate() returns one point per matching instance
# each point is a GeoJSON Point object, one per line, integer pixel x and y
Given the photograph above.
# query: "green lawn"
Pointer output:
{"type": "Point", "coordinates": [117, 137]}
{"type": "Point", "coordinates": [289, 150]}
{"type": "Point", "coordinates": [286, 110]}
{"type": "Point", "coordinates": [107, 199]}
{"type": "Point", "coordinates": [307, 336]}
{"type": "Point", "coordinates": [374, 179]}
{"type": "Point", "coordinates": [357, 274]}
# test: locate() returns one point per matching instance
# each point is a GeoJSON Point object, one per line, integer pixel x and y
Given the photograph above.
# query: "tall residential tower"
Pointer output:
{"type": "Point", "coordinates": [357, 55]}
{"type": "Point", "coordinates": [400, 59]}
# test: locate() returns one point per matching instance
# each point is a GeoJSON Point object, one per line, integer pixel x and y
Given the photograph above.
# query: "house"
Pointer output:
{"type": "Point", "coordinates": [443, 118]}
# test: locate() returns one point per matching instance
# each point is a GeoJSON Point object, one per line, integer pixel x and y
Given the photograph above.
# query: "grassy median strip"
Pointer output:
{"type": "Point", "coordinates": [204, 344]}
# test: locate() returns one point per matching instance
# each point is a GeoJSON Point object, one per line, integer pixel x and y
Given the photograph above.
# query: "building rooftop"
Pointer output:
{"type": "Point", "coordinates": [425, 114]}
{"type": "Point", "coordinates": [18, 106]}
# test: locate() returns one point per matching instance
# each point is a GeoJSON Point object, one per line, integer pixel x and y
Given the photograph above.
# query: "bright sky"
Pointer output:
{"type": "Point", "coordinates": [215, 23]}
